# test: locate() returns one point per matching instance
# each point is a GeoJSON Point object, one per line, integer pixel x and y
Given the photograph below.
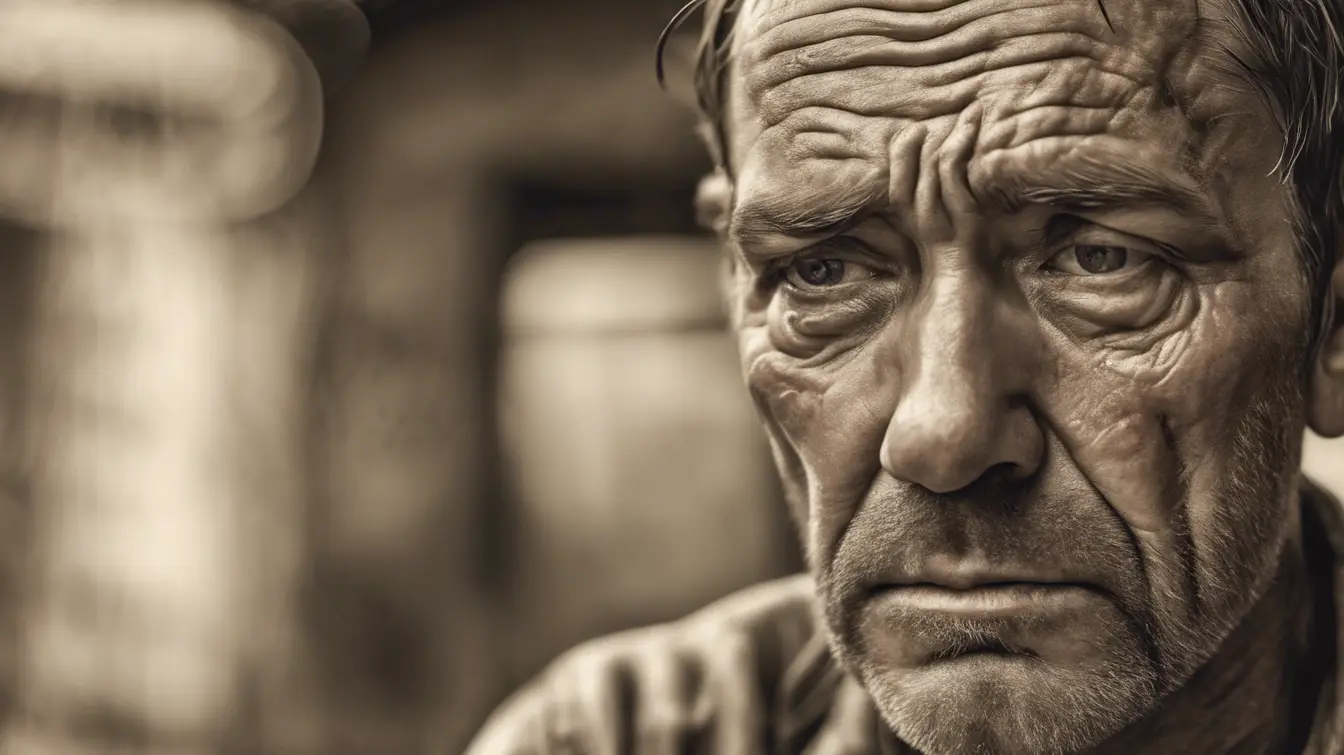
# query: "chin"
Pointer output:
{"type": "Point", "coordinates": [1047, 684]}
{"type": "Point", "coordinates": [1008, 704]}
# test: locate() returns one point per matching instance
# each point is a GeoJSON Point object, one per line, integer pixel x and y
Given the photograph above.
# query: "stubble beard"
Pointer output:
{"type": "Point", "coordinates": [1051, 710]}
{"type": "Point", "coordinates": [1031, 707]}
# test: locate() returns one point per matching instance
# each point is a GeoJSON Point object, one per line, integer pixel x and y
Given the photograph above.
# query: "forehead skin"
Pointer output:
{"type": "Point", "coordinates": [820, 90]}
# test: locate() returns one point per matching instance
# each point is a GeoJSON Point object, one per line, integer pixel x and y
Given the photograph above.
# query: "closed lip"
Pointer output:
{"type": "Point", "coordinates": [963, 576]}
{"type": "Point", "coordinates": [975, 589]}
{"type": "Point", "coordinates": [972, 585]}
{"type": "Point", "coordinates": [987, 601]}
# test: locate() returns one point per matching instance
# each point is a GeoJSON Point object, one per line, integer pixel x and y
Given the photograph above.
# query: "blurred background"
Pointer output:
{"type": "Point", "coordinates": [336, 474]}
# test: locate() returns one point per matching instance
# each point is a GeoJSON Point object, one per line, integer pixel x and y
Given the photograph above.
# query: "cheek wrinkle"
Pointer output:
{"type": "Point", "coordinates": [1185, 535]}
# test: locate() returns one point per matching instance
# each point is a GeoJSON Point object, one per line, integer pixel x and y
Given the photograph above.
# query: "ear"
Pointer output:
{"type": "Point", "coordinates": [713, 203]}
{"type": "Point", "coordinates": [1326, 401]}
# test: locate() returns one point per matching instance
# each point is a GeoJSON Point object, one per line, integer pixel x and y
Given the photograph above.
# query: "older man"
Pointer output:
{"type": "Point", "coordinates": [1036, 300]}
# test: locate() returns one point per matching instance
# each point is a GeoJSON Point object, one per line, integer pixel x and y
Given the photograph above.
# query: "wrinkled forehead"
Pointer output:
{"type": "Point", "coordinates": [1152, 27]}
{"type": "Point", "coordinates": [821, 86]}
{"type": "Point", "coordinates": [927, 19]}
{"type": "Point", "coordinates": [903, 54]}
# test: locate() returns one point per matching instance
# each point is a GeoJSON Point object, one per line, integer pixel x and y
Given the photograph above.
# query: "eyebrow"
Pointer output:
{"type": "Point", "coordinates": [809, 213]}
{"type": "Point", "coordinates": [1111, 195]}
{"type": "Point", "coordinates": [1090, 185]}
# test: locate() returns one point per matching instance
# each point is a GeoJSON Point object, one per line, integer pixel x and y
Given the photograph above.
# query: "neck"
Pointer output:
{"type": "Point", "coordinates": [1245, 697]}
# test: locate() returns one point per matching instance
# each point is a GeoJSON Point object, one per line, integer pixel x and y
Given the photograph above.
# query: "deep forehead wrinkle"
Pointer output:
{"type": "Point", "coordinates": [885, 57]}
{"type": "Point", "coordinates": [791, 26]}
{"type": "Point", "coordinates": [917, 20]}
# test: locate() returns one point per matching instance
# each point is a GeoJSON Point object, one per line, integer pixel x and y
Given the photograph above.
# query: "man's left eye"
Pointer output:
{"type": "Point", "coordinates": [1096, 259]}
{"type": "Point", "coordinates": [815, 272]}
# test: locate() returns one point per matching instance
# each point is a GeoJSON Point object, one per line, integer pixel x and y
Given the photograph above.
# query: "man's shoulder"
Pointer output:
{"type": "Point", "coordinates": [711, 674]}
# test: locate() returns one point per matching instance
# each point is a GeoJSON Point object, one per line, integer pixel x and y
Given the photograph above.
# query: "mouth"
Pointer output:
{"type": "Point", "coordinates": [989, 600]}
{"type": "Point", "coordinates": [979, 615]}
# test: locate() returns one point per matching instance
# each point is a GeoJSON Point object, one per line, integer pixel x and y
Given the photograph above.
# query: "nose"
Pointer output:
{"type": "Point", "coordinates": [968, 358]}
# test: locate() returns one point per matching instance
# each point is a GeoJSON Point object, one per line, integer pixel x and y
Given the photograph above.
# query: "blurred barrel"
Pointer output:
{"type": "Point", "coordinates": [642, 483]}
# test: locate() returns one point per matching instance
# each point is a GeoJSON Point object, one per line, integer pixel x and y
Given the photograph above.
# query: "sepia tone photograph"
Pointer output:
{"type": "Point", "coordinates": [652, 377]}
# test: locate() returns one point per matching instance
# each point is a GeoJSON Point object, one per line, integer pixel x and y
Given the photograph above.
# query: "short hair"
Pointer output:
{"type": "Point", "coordinates": [1297, 64]}
{"type": "Point", "coordinates": [1295, 61]}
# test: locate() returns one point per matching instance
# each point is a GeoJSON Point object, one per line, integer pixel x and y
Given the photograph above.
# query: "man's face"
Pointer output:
{"type": "Point", "coordinates": [1038, 406]}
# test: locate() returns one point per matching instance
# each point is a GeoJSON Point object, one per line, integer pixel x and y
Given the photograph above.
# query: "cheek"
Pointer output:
{"type": "Point", "coordinates": [826, 420]}
{"type": "Point", "coordinates": [1145, 408]}
{"type": "Point", "coordinates": [1241, 438]}
{"type": "Point", "coordinates": [1154, 424]}
{"type": "Point", "coordinates": [1115, 431]}
{"type": "Point", "coordinates": [1242, 353]}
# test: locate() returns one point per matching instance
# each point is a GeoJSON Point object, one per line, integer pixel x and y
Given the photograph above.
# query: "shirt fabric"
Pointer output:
{"type": "Point", "coordinates": [753, 673]}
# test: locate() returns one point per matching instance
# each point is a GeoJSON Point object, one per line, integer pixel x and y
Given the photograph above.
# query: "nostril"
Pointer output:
{"type": "Point", "coordinates": [1006, 472]}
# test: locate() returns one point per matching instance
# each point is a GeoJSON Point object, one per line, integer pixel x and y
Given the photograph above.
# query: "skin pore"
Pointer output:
{"type": "Point", "coordinates": [1017, 291]}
